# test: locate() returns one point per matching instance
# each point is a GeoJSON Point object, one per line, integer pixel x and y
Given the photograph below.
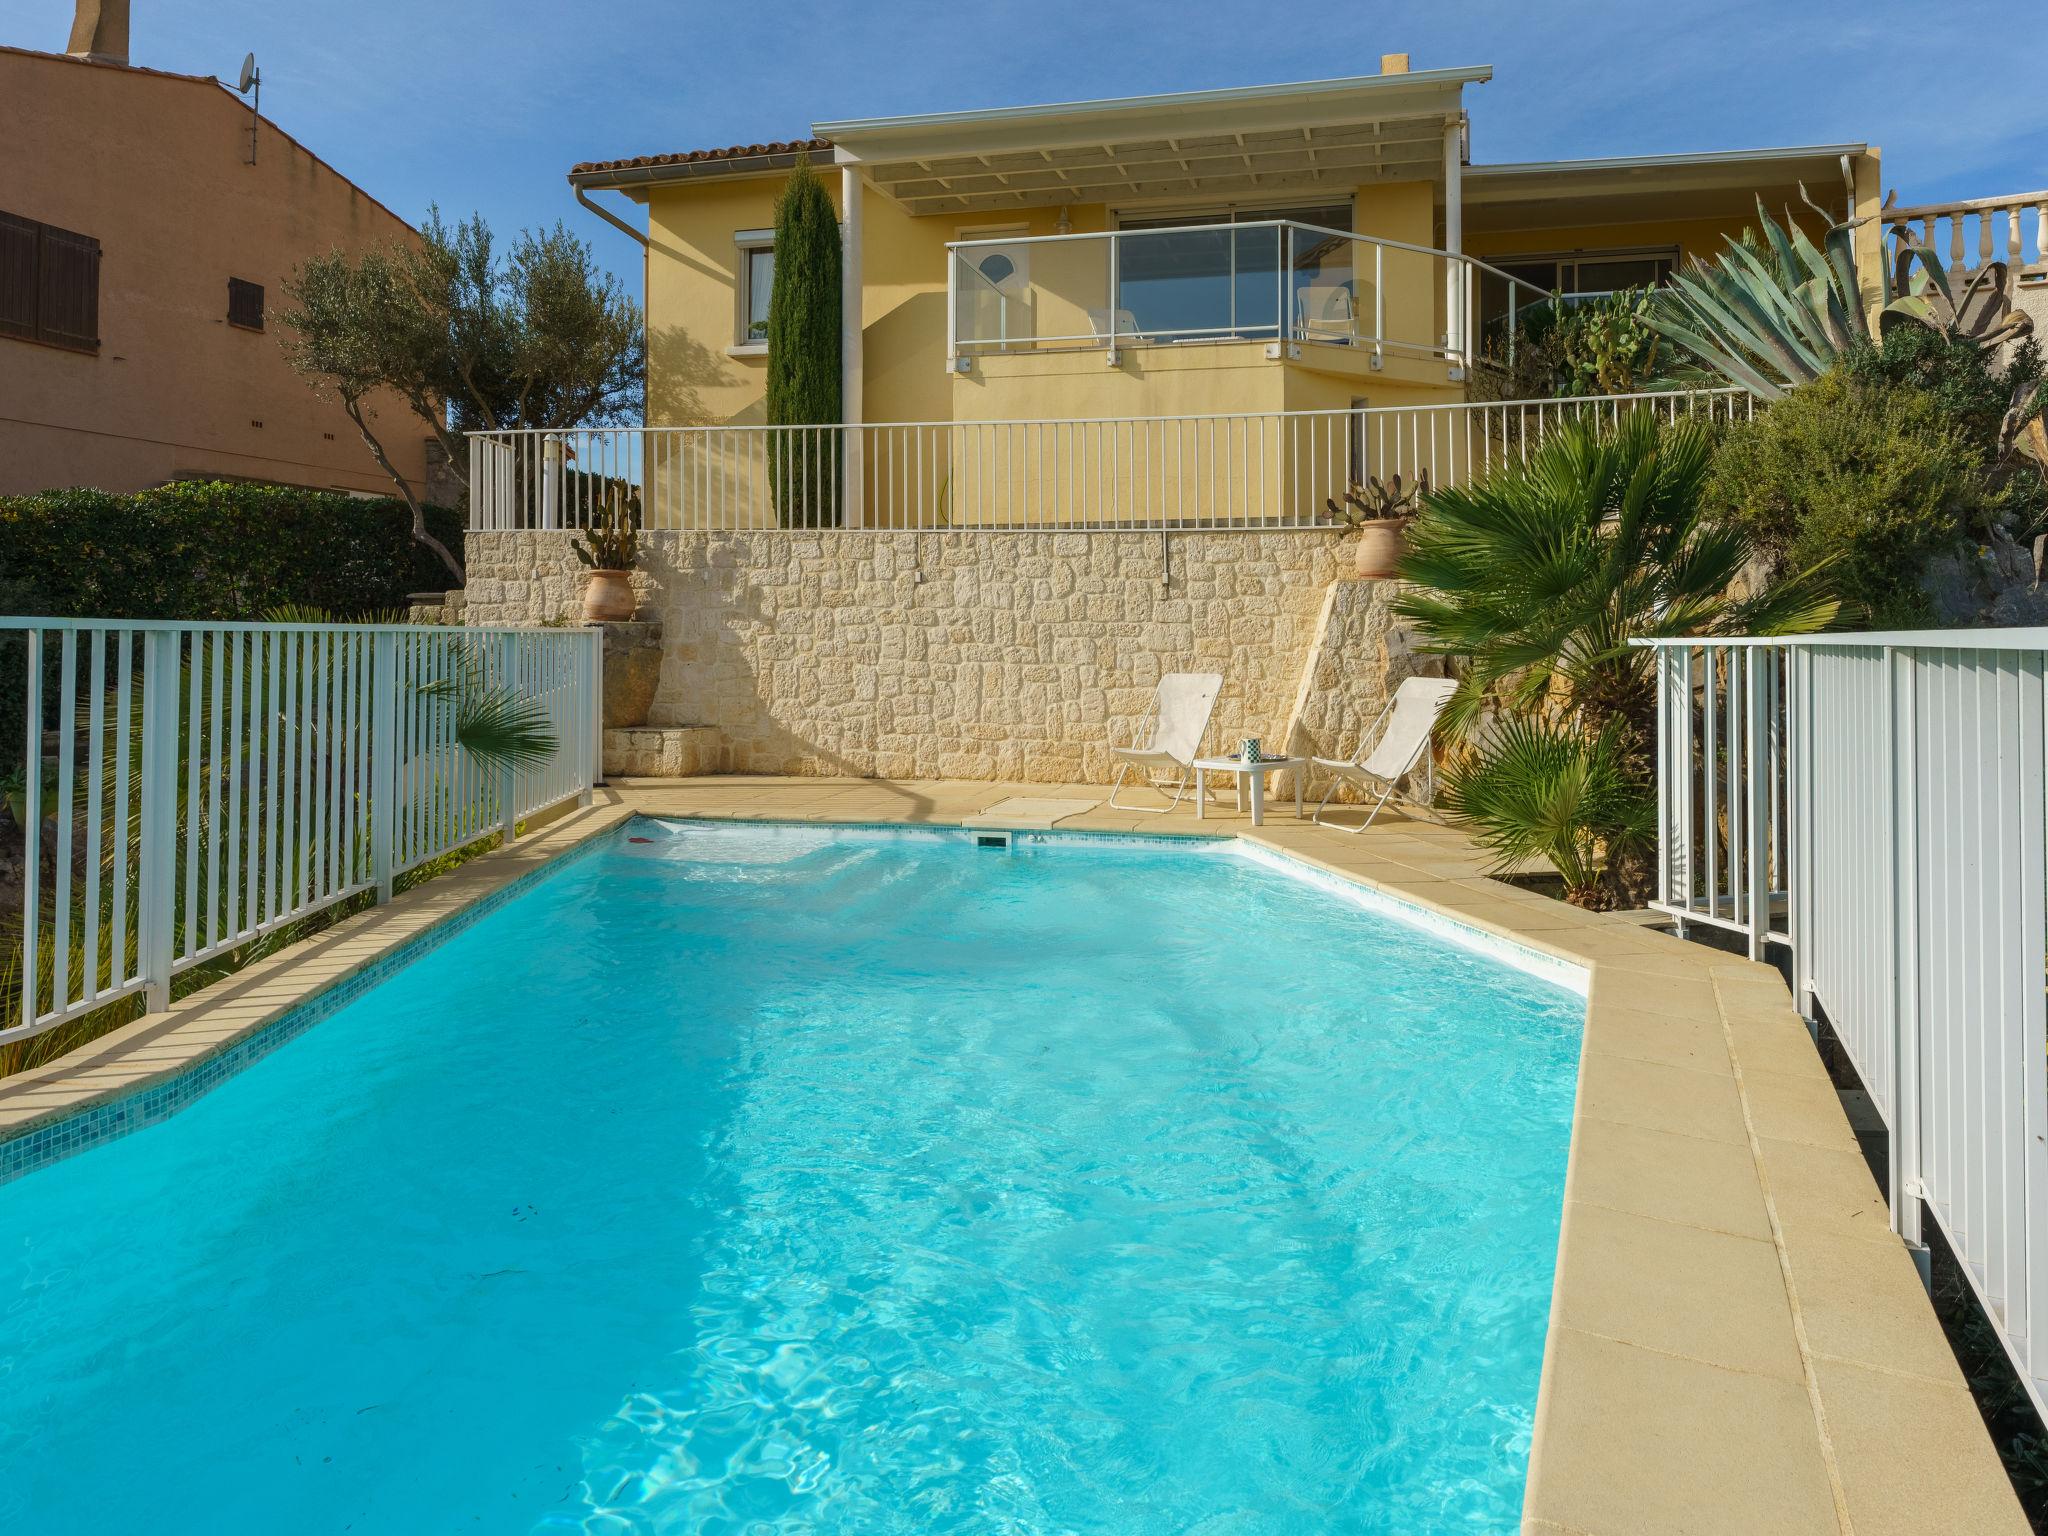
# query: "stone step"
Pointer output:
{"type": "Point", "coordinates": [661, 751]}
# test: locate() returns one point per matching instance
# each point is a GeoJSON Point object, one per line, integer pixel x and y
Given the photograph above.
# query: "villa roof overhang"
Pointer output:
{"type": "Point", "coordinates": [1620, 189]}
{"type": "Point", "coordinates": [1252, 141]}
{"type": "Point", "coordinates": [1248, 141]}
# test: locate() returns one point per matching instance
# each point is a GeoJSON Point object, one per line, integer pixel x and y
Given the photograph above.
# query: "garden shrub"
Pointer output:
{"type": "Point", "coordinates": [1870, 477]}
{"type": "Point", "coordinates": [1593, 346]}
{"type": "Point", "coordinates": [1973, 390]}
{"type": "Point", "coordinates": [199, 550]}
{"type": "Point", "coordinates": [223, 550]}
{"type": "Point", "coordinates": [1966, 380]}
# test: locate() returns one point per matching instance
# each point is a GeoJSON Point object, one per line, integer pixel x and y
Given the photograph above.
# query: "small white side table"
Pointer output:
{"type": "Point", "coordinates": [1256, 773]}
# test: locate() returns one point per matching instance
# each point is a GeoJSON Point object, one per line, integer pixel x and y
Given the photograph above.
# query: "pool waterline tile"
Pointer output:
{"type": "Point", "coordinates": [160, 1079]}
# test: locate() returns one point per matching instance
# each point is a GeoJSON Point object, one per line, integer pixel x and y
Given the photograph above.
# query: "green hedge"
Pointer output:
{"type": "Point", "coordinates": [199, 550]}
{"type": "Point", "coordinates": [213, 550]}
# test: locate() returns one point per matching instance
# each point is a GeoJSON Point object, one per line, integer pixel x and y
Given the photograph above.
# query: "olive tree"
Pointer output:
{"type": "Point", "coordinates": [354, 333]}
{"type": "Point", "coordinates": [469, 338]}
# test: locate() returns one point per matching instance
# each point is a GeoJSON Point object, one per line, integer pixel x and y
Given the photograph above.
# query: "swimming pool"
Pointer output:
{"type": "Point", "coordinates": [750, 1179]}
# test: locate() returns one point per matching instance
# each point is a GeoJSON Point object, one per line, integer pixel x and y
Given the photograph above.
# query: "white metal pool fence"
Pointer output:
{"type": "Point", "coordinates": [1249, 470]}
{"type": "Point", "coordinates": [183, 789]}
{"type": "Point", "coordinates": [1878, 806]}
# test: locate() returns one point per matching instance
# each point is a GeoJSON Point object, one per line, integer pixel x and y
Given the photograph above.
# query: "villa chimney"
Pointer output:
{"type": "Point", "coordinates": [99, 31]}
{"type": "Point", "coordinates": [1390, 63]}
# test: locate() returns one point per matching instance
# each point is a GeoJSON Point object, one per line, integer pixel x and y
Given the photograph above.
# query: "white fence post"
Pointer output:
{"type": "Point", "coordinates": [1900, 793]}
{"type": "Point", "coordinates": [1799, 815]}
{"type": "Point", "coordinates": [593, 690]}
{"type": "Point", "coordinates": [383, 760]}
{"type": "Point", "coordinates": [32, 831]}
{"type": "Point", "coordinates": [1757, 807]}
{"type": "Point", "coordinates": [550, 482]}
{"type": "Point", "coordinates": [508, 774]}
{"type": "Point", "coordinates": [159, 853]}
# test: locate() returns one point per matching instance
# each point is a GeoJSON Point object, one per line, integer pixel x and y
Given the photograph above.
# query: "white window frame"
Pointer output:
{"type": "Point", "coordinates": [745, 243]}
{"type": "Point", "coordinates": [1593, 257]}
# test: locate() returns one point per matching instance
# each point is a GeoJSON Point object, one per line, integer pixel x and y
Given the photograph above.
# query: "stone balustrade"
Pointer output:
{"type": "Point", "coordinates": [1969, 235]}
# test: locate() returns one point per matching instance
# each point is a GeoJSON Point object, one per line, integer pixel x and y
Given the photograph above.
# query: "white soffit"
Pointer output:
{"type": "Point", "coordinates": [1251, 141]}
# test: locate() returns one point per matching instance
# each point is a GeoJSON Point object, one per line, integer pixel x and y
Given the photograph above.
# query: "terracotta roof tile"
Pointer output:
{"type": "Point", "coordinates": [701, 156]}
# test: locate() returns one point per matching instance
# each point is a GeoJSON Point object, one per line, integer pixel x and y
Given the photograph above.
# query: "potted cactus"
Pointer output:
{"type": "Point", "coordinates": [1380, 512]}
{"type": "Point", "coordinates": [610, 547]}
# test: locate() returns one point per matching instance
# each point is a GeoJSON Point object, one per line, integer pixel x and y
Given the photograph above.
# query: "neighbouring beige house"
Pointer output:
{"type": "Point", "coordinates": [148, 222]}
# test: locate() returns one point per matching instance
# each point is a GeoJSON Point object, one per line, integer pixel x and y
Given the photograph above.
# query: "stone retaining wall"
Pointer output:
{"type": "Point", "coordinates": [1009, 656]}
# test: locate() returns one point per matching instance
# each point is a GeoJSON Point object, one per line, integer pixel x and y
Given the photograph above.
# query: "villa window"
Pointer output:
{"type": "Point", "coordinates": [49, 284]}
{"type": "Point", "coordinates": [756, 284]}
{"type": "Point", "coordinates": [1572, 275]}
{"type": "Point", "coordinates": [1003, 269]}
{"type": "Point", "coordinates": [1228, 274]}
{"type": "Point", "coordinates": [1588, 274]}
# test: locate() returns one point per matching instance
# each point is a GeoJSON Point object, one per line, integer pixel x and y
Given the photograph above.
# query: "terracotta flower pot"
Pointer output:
{"type": "Point", "coordinates": [1381, 543]}
{"type": "Point", "coordinates": [609, 597]}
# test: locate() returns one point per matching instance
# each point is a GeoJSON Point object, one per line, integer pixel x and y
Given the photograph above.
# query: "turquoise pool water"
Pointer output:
{"type": "Point", "coordinates": [751, 1180]}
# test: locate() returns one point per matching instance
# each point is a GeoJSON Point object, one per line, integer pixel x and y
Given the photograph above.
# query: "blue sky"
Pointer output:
{"type": "Point", "coordinates": [484, 106]}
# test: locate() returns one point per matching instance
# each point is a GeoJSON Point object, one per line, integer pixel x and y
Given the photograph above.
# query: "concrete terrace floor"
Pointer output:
{"type": "Point", "coordinates": [1738, 1343]}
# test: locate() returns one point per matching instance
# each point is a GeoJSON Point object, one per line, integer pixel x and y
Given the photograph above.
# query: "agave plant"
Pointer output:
{"type": "Point", "coordinates": [1777, 311]}
{"type": "Point", "coordinates": [1982, 312]}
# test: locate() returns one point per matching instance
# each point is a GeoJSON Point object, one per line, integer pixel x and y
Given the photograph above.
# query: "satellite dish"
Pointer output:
{"type": "Point", "coordinates": [248, 73]}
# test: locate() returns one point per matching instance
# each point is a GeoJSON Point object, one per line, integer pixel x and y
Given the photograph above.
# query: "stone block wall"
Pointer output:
{"type": "Point", "coordinates": [980, 656]}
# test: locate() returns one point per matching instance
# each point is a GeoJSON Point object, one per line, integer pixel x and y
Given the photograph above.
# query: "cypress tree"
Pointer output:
{"type": "Point", "coordinates": [803, 352]}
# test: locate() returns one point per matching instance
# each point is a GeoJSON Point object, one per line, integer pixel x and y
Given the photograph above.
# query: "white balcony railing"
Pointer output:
{"type": "Point", "coordinates": [1877, 805]}
{"type": "Point", "coordinates": [1275, 281]}
{"type": "Point", "coordinates": [186, 789]}
{"type": "Point", "coordinates": [1250, 470]}
{"type": "Point", "coordinates": [1969, 235]}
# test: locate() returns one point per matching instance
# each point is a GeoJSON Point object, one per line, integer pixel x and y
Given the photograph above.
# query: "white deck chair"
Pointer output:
{"type": "Point", "coordinates": [1403, 731]}
{"type": "Point", "coordinates": [1325, 313]}
{"type": "Point", "coordinates": [1126, 325]}
{"type": "Point", "coordinates": [1177, 721]}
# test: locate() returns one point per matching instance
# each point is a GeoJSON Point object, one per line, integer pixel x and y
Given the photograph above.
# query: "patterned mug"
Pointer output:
{"type": "Point", "coordinates": [1248, 750]}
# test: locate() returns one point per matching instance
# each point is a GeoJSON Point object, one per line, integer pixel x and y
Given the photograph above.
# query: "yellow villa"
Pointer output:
{"type": "Point", "coordinates": [1224, 303]}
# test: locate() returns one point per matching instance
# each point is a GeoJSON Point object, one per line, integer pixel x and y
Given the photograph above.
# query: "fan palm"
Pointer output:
{"type": "Point", "coordinates": [1546, 790]}
{"type": "Point", "coordinates": [1542, 573]}
{"type": "Point", "coordinates": [493, 723]}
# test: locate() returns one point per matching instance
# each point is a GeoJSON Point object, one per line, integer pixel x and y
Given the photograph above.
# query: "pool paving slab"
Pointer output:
{"type": "Point", "coordinates": [1738, 1343]}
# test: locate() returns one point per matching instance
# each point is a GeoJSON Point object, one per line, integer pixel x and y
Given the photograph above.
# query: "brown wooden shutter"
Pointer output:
{"type": "Point", "coordinates": [69, 312]}
{"type": "Point", "coordinates": [245, 303]}
{"type": "Point", "coordinates": [18, 240]}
